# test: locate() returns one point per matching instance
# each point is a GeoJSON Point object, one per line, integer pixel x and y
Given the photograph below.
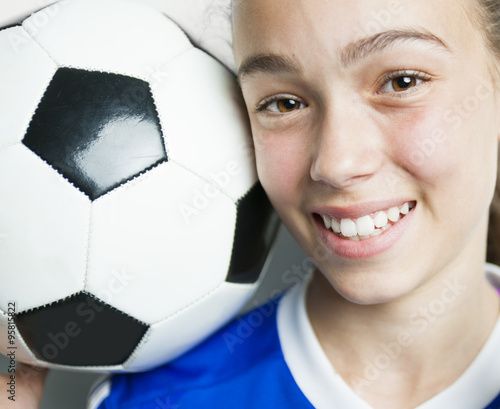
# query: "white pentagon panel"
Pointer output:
{"type": "Point", "coordinates": [167, 339]}
{"type": "Point", "coordinates": [26, 72]}
{"type": "Point", "coordinates": [43, 231]}
{"type": "Point", "coordinates": [164, 237]}
{"type": "Point", "coordinates": [21, 351]}
{"type": "Point", "coordinates": [204, 122]}
{"type": "Point", "coordinates": [126, 37]}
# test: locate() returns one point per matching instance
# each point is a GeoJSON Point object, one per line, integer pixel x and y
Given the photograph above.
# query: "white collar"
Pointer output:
{"type": "Point", "coordinates": [325, 389]}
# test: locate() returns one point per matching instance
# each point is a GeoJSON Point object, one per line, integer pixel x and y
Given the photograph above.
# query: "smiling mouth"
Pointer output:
{"type": "Point", "coordinates": [366, 227]}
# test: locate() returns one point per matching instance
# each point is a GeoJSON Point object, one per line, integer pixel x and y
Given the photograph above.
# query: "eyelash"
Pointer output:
{"type": "Point", "coordinates": [266, 102]}
{"type": "Point", "coordinates": [418, 75]}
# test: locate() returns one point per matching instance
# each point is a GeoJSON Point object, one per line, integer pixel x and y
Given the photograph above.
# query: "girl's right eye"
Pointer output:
{"type": "Point", "coordinates": [280, 105]}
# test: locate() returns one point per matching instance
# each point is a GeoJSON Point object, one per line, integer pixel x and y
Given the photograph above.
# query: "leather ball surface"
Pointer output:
{"type": "Point", "coordinates": [132, 224]}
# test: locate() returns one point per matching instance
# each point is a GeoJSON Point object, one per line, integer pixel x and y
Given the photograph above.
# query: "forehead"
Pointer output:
{"type": "Point", "coordinates": [305, 28]}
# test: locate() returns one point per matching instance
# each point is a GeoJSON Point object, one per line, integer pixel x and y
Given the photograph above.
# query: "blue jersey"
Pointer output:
{"type": "Point", "coordinates": [241, 366]}
{"type": "Point", "coordinates": [270, 358]}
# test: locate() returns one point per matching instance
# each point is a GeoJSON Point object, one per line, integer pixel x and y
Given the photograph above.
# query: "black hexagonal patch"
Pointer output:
{"type": "Point", "coordinates": [97, 129]}
{"type": "Point", "coordinates": [80, 331]}
{"type": "Point", "coordinates": [256, 228]}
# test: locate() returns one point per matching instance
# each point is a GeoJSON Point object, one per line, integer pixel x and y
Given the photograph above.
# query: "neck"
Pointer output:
{"type": "Point", "coordinates": [418, 344]}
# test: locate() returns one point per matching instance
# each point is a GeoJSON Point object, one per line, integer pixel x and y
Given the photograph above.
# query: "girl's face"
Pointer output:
{"type": "Point", "coordinates": [366, 111]}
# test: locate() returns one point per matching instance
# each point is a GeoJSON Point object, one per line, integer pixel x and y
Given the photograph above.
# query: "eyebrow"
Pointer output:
{"type": "Point", "coordinates": [365, 47]}
{"type": "Point", "coordinates": [350, 54]}
{"type": "Point", "coordinates": [268, 64]}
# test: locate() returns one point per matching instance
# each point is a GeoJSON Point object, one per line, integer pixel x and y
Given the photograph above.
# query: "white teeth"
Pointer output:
{"type": "Point", "coordinates": [405, 209]}
{"type": "Point", "coordinates": [336, 226]}
{"type": "Point", "coordinates": [348, 228]}
{"type": "Point", "coordinates": [380, 219]}
{"type": "Point", "coordinates": [327, 221]}
{"type": "Point", "coordinates": [393, 214]}
{"type": "Point", "coordinates": [365, 226]}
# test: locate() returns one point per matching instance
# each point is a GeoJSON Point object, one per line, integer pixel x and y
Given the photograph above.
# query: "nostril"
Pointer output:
{"type": "Point", "coordinates": [341, 171]}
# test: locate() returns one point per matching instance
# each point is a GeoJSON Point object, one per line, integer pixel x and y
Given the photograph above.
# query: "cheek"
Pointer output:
{"type": "Point", "coordinates": [424, 144]}
{"type": "Point", "coordinates": [450, 152]}
{"type": "Point", "coordinates": [431, 143]}
{"type": "Point", "coordinates": [281, 166]}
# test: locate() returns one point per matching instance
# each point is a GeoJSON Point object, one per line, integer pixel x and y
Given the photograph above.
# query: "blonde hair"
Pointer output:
{"type": "Point", "coordinates": [487, 14]}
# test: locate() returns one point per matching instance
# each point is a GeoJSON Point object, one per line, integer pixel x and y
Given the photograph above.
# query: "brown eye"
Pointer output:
{"type": "Point", "coordinates": [403, 83]}
{"type": "Point", "coordinates": [287, 105]}
{"type": "Point", "coordinates": [281, 104]}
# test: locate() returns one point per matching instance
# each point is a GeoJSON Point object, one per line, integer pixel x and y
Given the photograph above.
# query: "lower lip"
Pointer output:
{"type": "Point", "coordinates": [364, 248]}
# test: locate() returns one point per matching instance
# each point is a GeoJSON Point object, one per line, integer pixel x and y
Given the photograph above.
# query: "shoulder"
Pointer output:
{"type": "Point", "coordinates": [239, 366]}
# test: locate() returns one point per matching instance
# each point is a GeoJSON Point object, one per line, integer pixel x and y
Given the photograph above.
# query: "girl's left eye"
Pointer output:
{"type": "Point", "coordinates": [402, 82]}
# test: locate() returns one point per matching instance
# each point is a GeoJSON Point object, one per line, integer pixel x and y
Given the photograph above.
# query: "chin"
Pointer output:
{"type": "Point", "coordinates": [370, 287]}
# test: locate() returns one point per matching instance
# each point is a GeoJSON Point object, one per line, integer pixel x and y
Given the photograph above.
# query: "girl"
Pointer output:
{"type": "Point", "coordinates": [376, 127]}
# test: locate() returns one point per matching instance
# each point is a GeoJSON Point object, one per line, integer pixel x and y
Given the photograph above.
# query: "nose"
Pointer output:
{"type": "Point", "coordinates": [347, 149]}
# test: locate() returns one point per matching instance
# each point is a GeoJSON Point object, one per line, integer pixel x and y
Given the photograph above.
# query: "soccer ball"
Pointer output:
{"type": "Point", "coordinates": [132, 224]}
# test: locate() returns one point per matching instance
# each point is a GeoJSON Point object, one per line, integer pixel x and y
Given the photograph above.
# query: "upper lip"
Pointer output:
{"type": "Point", "coordinates": [359, 209]}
